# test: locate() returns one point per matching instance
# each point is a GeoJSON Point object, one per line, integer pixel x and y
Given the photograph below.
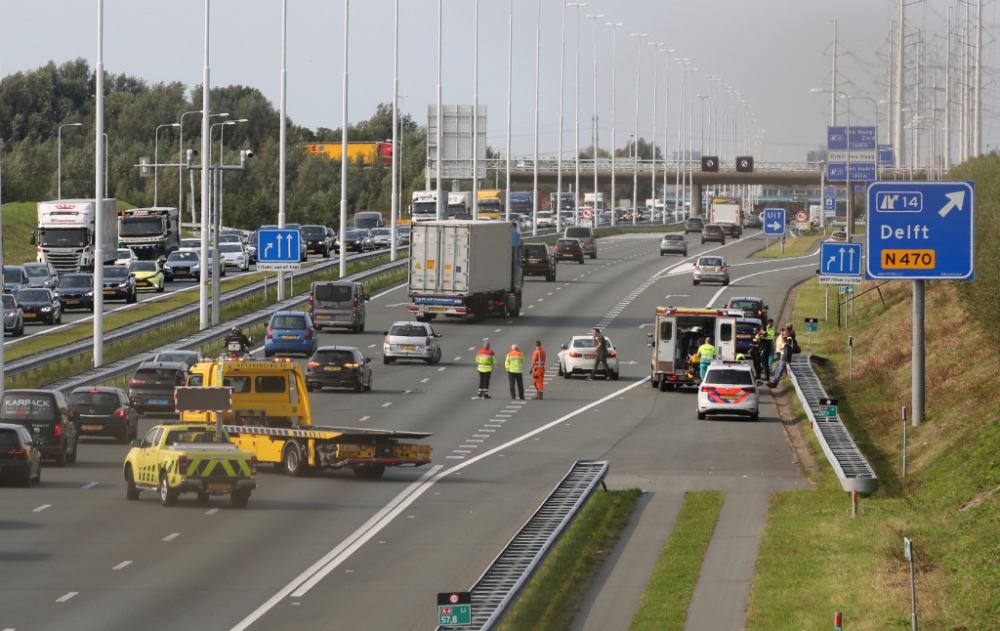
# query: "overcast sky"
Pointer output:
{"type": "Point", "coordinates": [772, 51]}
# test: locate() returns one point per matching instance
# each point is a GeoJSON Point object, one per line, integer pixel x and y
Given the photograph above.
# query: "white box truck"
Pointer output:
{"type": "Point", "coordinates": [726, 213]}
{"type": "Point", "coordinates": [466, 269]}
{"type": "Point", "coordinates": [66, 234]}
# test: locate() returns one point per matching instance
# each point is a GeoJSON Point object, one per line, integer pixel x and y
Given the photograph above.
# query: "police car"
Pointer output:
{"type": "Point", "coordinates": [729, 387]}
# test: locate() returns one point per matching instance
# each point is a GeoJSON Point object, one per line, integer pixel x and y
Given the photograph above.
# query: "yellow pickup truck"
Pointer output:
{"type": "Point", "coordinates": [272, 419]}
{"type": "Point", "coordinates": [175, 459]}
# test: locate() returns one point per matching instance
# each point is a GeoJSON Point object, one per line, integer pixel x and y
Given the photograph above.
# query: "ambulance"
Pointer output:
{"type": "Point", "coordinates": [678, 333]}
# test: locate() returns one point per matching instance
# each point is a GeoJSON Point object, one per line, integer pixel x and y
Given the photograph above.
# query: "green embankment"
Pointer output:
{"type": "Point", "coordinates": [815, 559]}
{"type": "Point", "coordinates": [665, 601]}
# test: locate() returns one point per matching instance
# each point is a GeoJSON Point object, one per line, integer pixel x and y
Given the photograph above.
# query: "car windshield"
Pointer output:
{"type": "Point", "coordinates": [141, 227]}
{"type": "Point", "coordinates": [36, 271]}
{"type": "Point", "coordinates": [381, 232]}
{"type": "Point", "coordinates": [13, 274]}
{"type": "Point", "coordinates": [565, 243]}
{"type": "Point", "coordinates": [408, 330]}
{"type": "Point", "coordinates": [745, 305]}
{"type": "Point", "coordinates": [144, 266]}
{"type": "Point", "coordinates": [125, 254]}
{"type": "Point", "coordinates": [674, 237]}
{"type": "Point", "coordinates": [194, 435]}
{"type": "Point", "coordinates": [183, 256]}
{"type": "Point", "coordinates": [333, 293]}
{"type": "Point", "coordinates": [230, 238]}
{"type": "Point", "coordinates": [295, 322]}
{"type": "Point", "coordinates": [313, 232]}
{"type": "Point", "coordinates": [76, 280]}
{"type": "Point", "coordinates": [578, 232]}
{"type": "Point", "coordinates": [351, 235]}
{"type": "Point", "coordinates": [63, 237]}
{"type": "Point", "coordinates": [230, 247]}
{"type": "Point", "coordinates": [695, 220]}
{"type": "Point", "coordinates": [536, 251]}
{"type": "Point", "coordinates": [8, 301]}
{"type": "Point", "coordinates": [9, 439]}
{"type": "Point", "coordinates": [29, 295]}
{"type": "Point", "coordinates": [710, 262]}
{"type": "Point", "coordinates": [115, 271]}
{"type": "Point", "coordinates": [190, 243]}
{"type": "Point", "coordinates": [334, 357]}
{"type": "Point", "coordinates": [583, 342]}
{"type": "Point", "coordinates": [179, 357]}
{"type": "Point", "coordinates": [729, 377]}
{"type": "Point", "coordinates": [95, 399]}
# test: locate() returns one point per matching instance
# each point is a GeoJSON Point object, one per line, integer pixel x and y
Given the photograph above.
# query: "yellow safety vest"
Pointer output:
{"type": "Point", "coordinates": [706, 352]}
{"type": "Point", "coordinates": [485, 361]}
{"type": "Point", "coordinates": [771, 333]}
{"type": "Point", "coordinates": [514, 362]}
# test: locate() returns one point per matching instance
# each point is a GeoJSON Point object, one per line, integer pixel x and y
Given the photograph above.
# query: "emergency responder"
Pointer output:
{"type": "Point", "coordinates": [538, 369]}
{"type": "Point", "coordinates": [600, 356]}
{"type": "Point", "coordinates": [771, 338]}
{"type": "Point", "coordinates": [485, 360]}
{"type": "Point", "coordinates": [236, 337]}
{"type": "Point", "coordinates": [514, 364]}
{"type": "Point", "coordinates": [758, 352]}
{"type": "Point", "coordinates": [707, 353]}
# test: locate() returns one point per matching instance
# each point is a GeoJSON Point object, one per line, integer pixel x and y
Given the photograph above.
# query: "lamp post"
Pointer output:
{"type": "Point", "coordinates": [222, 145]}
{"type": "Point", "coordinates": [702, 97]}
{"type": "Point", "coordinates": [538, 48]}
{"type": "Point", "coordinates": [576, 135]}
{"type": "Point", "coordinates": [105, 164]}
{"type": "Point", "coordinates": [180, 159]}
{"type": "Point", "coordinates": [635, 165]}
{"type": "Point", "coordinates": [156, 161]}
{"type": "Point", "coordinates": [394, 203]}
{"type": "Point", "coordinates": [595, 140]}
{"type": "Point", "coordinates": [510, 73]}
{"type": "Point", "coordinates": [475, 119]}
{"type": "Point", "coordinates": [99, 157]}
{"type": "Point", "coordinates": [666, 134]}
{"type": "Point", "coordinates": [656, 84]}
{"type": "Point", "coordinates": [614, 96]}
{"type": "Point", "coordinates": [59, 156]}
{"type": "Point", "coordinates": [678, 186]}
{"type": "Point", "coordinates": [343, 146]}
{"type": "Point", "coordinates": [206, 149]}
{"type": "Point", "coordinates": [438, 203]}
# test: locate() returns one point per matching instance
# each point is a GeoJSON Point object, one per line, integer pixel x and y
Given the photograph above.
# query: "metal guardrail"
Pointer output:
{"type": "Point", "coordinates": [165, 319]}
{"type": "Point", "coordinates": [497, 588]}
{"type": "Point", "coordinates": [126, 366]}
{"type": "Point", "coordinates": [846, 459]}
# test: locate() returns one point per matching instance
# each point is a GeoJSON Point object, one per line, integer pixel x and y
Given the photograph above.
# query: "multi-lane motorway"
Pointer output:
{"type": "Point", "coordinates": [337, 552]}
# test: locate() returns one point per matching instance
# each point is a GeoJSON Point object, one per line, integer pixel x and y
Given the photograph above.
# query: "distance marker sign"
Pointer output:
{"type": "Point", "coordinates": [454, 609]}
{"type": "Point", "coordinates": [921, 230]}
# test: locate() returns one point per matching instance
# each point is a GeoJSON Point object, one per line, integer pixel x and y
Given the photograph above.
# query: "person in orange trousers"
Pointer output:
{"type": "Point", "coordinates": [538, 369]}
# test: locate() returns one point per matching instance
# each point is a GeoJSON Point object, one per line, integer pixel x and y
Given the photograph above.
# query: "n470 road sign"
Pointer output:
{"type": "Point", "coordinates": [278, 249]}
{"type": "Point", "coordinates": [774, 222]}
{"type": "Point", "coordinates": [921, 230]}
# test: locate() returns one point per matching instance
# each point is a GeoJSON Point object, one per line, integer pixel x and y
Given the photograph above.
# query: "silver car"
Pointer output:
{"type": "Point", "coordinates": [411, 340]}
{"type": "Point", "coordinates": [233, 254]}
{"type": "Point", "coordinates": [711, 269]}
{"type": "Point", "coordinates": [674, 243]}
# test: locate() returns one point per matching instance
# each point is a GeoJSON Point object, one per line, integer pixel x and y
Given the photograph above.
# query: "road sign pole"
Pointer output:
{"type": "Point", "coordinates": [781, 240]}
{"type": "Point", "coordinates": [904, 441]}
{"type": "Point", "coordinates": [917, 368]}
{"type": "Point", "coordinates": [826, 308]}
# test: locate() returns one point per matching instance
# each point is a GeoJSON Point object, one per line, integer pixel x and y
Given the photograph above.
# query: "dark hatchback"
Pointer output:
{"type": "Point", "coordinates": [151, 388]}
{"type": "Point", "coordinates": [19, 460]}
{"type": "Point", "coordinates": [694, 224]}
{"type": "Point", "coordinates": [40, 305]}
{"type": "Point", "coordinates": [537, 260]}
{"type": "Point", "coordinates": [713, 232]}
{"type": "Point", "coordinates": [13, 316]}
{"type": "Point", "coordinates": [318, 240]}
{"type": "Point", "coordinates": [103, 412]}
{"type": "Point", "coordinates": [569, 250]}
{"type": "Point", "coordinates": [45, 415]}
{"type": "Point", "coordinates": [119, 284]}
{"type": "Point", "coordinates": [339, 367]}
{"type": "Point", "coordinates": [753, 222]}
{"type": "Point", "coordinates": [356, 241]}
{"type": "Point", "coordinates": [76, 291]}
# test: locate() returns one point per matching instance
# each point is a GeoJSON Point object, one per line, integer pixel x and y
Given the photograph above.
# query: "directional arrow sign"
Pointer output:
{"type": "Point", "coordinates": [840, 259]}
{"type": "Point", "coordinates": [921, 230]}
{"type": "Point", "coordinates": [774, 222]}
{"type": "Point", "coordinates": [279, 249]}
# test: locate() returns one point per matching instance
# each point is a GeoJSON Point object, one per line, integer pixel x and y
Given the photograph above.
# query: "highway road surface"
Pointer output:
{"type": "Point", "coordinates": [338, 552]}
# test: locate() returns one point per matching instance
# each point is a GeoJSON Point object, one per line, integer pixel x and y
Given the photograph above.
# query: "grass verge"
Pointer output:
{"type": "Point", "coordinates": [553, 596]}
{"type": "Point", "coordinates": [665, 601]}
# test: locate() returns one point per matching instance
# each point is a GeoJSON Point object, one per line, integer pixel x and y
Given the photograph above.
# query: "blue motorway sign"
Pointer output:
{"type": "Point", "coordinates": [863, 141]}
{"type": "Point", "coordinates": [278, 249]}
{"type": "Point", "coordinates": [863, 138]}
{"type": "Point", "coordinates": [840, 259]}
{"type": "Point", "coordinates": [774, 222]}
{"type": "Point", "coordinates": [921, 230]}
{"type": "Point", "coordinates": [860, 172]}
{"type": "Point", "coordinates": [885, 156]}
{"type": "Point", "coordinates": [830, 198]}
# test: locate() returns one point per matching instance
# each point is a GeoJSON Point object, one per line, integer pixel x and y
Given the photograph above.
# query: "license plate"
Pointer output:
{"type": "Point", "coordinates": [534, 261]}
{"type": "Point", "coordinates": [407, 347]}
{"type": "Point", "coordinates": [567, 256]}
{"type": "Point", "coordinates": [333, 368]}
{"type": "Point", "coordinates": [142, 283]}
{"type": "Point", "coordinates": [29, 315]}
{"type": "Point", "coordinates": [109, 292]}
{"type": "Point", "coordinates": [220, 486]}
{"type": "Point", "coordinates": [92, 428]}
{"type": "Point", "coordinates": [182, 270]}
{"type": "Point", "coordinates": [711, 270]}
{"type": "Point", "coordinates": [72, 302]}
{"type": "Point", "coordinates": [437, 308]}
{"type": "Point", "coordinates": [749, 314]}
{"type": "Point", "coordinates": [289, 337]}
{"type": "Point", "coordinates": [590, 356]}
{"type": "Point", "coordinates": [323, 317]}
{"type": "Point", "coordinates": [158, 401]}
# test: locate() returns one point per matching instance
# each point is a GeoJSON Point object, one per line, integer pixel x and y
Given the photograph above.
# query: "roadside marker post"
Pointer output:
{"type": "Point", "coordinates": [838, 622]}
{"type": "Point", "coordinates": [812, 324]}
{"type": "Point", "coordinates": [454, 609]}
{"type": "Point", "coordinates": [904, 441]}
{"type": "Point", "coordinates": [908, 553]}
{"type": "Point", "coordinates": [850, 357]}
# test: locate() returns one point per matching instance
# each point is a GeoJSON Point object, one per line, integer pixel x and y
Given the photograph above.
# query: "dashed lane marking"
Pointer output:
{"type": "Point", "coordinates": [121, 565]}
{"type": "Point", "coordinates": [364, 418]}
{"type": "Point", "coordinates": [63, 599]}
{"type": "Point", "coordinates": [212, 511]}
{"type": "Point", "coordinates": [90, 486]}
{"type": "Point", "coordinates": [41, 508]}
{"type": "Point", "coordinates": [387, 404]}
{"type": "Point", "coordinates": [171, 536]}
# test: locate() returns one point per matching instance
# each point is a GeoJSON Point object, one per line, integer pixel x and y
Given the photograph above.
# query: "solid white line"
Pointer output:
{"type": "Point", "coordinates": [212, 511]}
{"type": "Point", "coordinates": [469, 446]}
{"type": "Point", "coordinates": [460, 451]}
{"type": "Point", "coordinates": [66, 597]}
{"type": "Point", "coordinates": [121, 565]}
{"type": "Point", "coordinates": [455, 457]}
{"type": "Point", "coordinates": [480, 435]}
{"type": "Point", "coordinates": [171, 536]}
{"type": "Point", "coordinates": [472, 440]}
{"type": "Point", "coordinates": [91, 485]}
{"type": "Point", "coordinates": [41, 508]}
{"type": "Point", "coordinates": [379, 295]}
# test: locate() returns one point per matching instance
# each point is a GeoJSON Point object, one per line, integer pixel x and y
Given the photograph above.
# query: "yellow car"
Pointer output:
{"type": "Point", "coordinates": [148, 276]}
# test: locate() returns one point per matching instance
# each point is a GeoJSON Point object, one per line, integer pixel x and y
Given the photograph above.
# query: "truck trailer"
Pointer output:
{"type": "Point", "coordinates": [66, 237]}
{"type": "Point", "coordinates": [149, 232]}
{"type": "Point", "coordinates": [726, 213]}
{"type": "Point", "coordinates": [465, 269]}
{"type": "Point", "coordinates": [365, 153]}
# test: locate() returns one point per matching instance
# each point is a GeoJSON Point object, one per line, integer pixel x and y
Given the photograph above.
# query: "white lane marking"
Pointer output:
{"type": "Point", "coordinates": [460, 451]}
{"type": "Point", "coordinates": [456, 457]}
{"type": "Point", "coordinates": [90, 486]}
{"type": "Point", "coordinates": [486, 339]}
{"type": "Point", "coordinates": [364, 418]}
{"type": "Point", "coordinates": [503, 415]}
{"type": "Point", "coordinates": [469, 446]}
{"type": "Point", "coordinates": [472, 348]}
{"type": "Point", "coordinates": [541, 300]}
{"type": "Point", "coordinates": [493, 425]}
{"type": "Point", "coordinates": [424, 380]}
{"type": "Point", "coordinates": [171, 536]}
{"type": "Point", "coordinates": [407, 391]}
{"type": "Point", "coordinates": [371, 346]}
{"type": "Point", "coordinates": [531, 306]}
{"type": "Point", "coordinates": [737, 280]}
{"type": "Point", "coordinates": [121, 565]}
{"type": "Point", "coordinates": [441, 369]}
{"type": "Point", "coordinates": [497, 331]}
{"type": "Point", "coordinates": [379, 295]}
{"type": "Point", "coordinates": [387, 404]}
{"type": "Point", "coordinates": [41, 508]}
{"type": "Point", "coordinates": [212, 511]}
{"type": "Point", "coordinates": [472, 440]}
{"type": "Point", "coordinates": [335, 557]}
{"type": "Point", "coordinates": [549, 294]}
{"type": "Point", "coordinates": [485, 430]}
{"type": "Point", "coordinates": [480, 435]}
{"type": "Point", "coordinates": [66, 597]}
{"type": "Point", "coordinates": [457, 358]}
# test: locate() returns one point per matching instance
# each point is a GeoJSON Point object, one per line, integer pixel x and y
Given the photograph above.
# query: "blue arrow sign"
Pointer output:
{"type": "Point", "coordinates": [921, 230]}
{"type": "Point", "coordinates": [830, 198]}
{"type": "Point", "coordinates": [840, 259]}
{"type": "Point", "coordinates": [774, 222]}
{"type": "Point", "coordinates": [278, 246]}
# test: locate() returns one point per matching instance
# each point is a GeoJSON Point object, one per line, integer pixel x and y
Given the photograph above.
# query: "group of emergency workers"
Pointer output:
{"type": "Point", "coordinates": [514, 365]}
{"type": "Point", "coordinates": [767, 348]}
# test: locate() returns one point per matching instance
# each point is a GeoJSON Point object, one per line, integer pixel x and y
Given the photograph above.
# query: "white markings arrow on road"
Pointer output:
{"type": "Point", "coordinates": [955, 200]}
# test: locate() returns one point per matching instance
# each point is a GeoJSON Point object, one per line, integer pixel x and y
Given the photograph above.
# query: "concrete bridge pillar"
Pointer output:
{"type": "Point", "coordinates": [696, 200]}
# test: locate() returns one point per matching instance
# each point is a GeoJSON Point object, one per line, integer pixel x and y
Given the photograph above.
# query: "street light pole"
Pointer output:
{"type": "Point", "coordinates": [282, 143]}
{"type": "Point", "coordinates": [656, 87]}
{"type": "Point", "coordinates": [576, 135]}
{"type": "Point", "coordinates": [595, 140]}
{"type": "Point", "coordinates": [59, 156]}
{"type": "Point", "coordinates": [538, 47]}
{"type": "Point", "coordinates": [100, 149]}
{"type": "Point", "coordinates": [510, 73]}
{"type": "Point", "coordinates": [614, 97]}
{"type": "Point", "coordinates": [343, 147]}
{"type": "Point", "coordinates": [180, 170]}
{"type": "Point", "coordinates": [156, 161]}
{"type": "Point", "coordinates": [438, 204]}
{"type": "Point", "coordinates": [703, 97]}
{"type": "Point", "coordinates": [475, 118]}
{"type": "Point", "coordinates": [666, 134]}
{"type": "Point", "coordinates": [562, 107]}
{"type": "Point", "coordinates": [394, 204]}
{"type": "Point", "coordinates": [206, 149]}
{"type": "Point", "coordinates": [635, 164]}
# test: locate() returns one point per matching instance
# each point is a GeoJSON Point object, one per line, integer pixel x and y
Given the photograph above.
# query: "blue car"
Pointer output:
{"type": "Point", "coordinates": [14, 279]}
{"type": "Point", "coordinates": [290, 332]}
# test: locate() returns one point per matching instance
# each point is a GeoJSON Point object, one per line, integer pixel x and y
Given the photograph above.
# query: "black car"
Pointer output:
{"type": "Point", "coordinates": [45, 415]}
{"type": "Point", "coordinates": [76, 291]}
{"type": "Point", "coordinates": [119, 284]}
{"type": "Point", "coordinates": [536, 260]}
{"type": "Point", "coordinates": [317, 240]}
{"type": "Point", "coordinates": [569, 249]}
{"type": "Point", "coordinates": [151, 388]}
{"type": "Point", "coordinates": [40, 305]}
{"type": "Point", "coordinates": [41, 274]}
{"type": "Point", "coordinates": [753, 222]}
{"type": "Point", "coordinates": [694, 224]}
{"type": "Point", "coordinates": [103, 412]}
{"type": "Point", "coordinates": [356, 240]}
{"type": "Point", "coordinates": [13, 316]}
{"type": "Point", "coordinates": [339, 367]}
{"type": "Point", "coordinates": [20, 462]}
{"type": "Point", "coordinates": [713, 232]}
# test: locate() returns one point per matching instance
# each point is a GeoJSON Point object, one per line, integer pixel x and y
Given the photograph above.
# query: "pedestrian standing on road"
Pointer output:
{"type": "Point", "coordinates": [793, 346]}
{"type": "Point", "coordinates": [485, 360]}
{"type": "Point", "coordinates": [600, 356]}
{"type": "Point", "coordinates": [707, 353]}
{"type": "Point", "coordinates": [756, 350]}
{"type": "Point", "coordinates": [538, 369]}
{"type": "Point", "coordinates": [772, 337]}
{"type": "Point", "coordinates": [782, 353]}
{"type": "Point", "coordinates": [515, 366]}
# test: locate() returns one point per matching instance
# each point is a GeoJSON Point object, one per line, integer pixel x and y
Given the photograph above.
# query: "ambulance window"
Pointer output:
{"type": "Point", "coordinates": [240, 385]}
{"type": "Point", "coordinates": [726, 333]}
{"type": "Point", "coordinates": [269, 384]}
{"type": "Point", "coordinates": [666, 331]}
{"type": "Point", "coordinates": [195, 380]}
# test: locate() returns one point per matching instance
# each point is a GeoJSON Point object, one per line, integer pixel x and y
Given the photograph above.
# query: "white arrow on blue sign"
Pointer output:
{"type": "Point", "coordinates": [774, 222]}
{"type": "Point", "coordinates": [278, 246]}
{"type": "Point", "coordinates": [921, 230]}
{"type": "Point", "coordinates": [840, 259]}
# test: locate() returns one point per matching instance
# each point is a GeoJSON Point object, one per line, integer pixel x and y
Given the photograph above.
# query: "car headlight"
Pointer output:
{"type": "Point", "coordinates": [89, 293]}
{"type": "Point", "coordinates": [166, 268]}
{"type": "Point", "coordinates": [46, 309]}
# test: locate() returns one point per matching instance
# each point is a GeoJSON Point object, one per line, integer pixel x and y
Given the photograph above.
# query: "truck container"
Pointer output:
{"type": "Point", "coordinates": [726, 213]}
{"type": "Point", "coordinates": [492, 203]}
{"type": "Point", "coordinates": [149, 232]}
{"type": "Point", "coordinates": [595, 201]}
{"type": "Point", "coordinates": [467, 269]}
{"type": "Point", "coordinates": [65, 234]}
{"type": "Point", "coordinates": [365, 153]}
{"type": "Point", "coordinates": [567, 202]}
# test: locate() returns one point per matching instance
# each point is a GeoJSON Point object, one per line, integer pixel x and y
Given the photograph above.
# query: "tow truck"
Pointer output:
{"type": "Point", "coordinates": [679, 331]}
{"type": "Point", "coordinates": [271, 418]}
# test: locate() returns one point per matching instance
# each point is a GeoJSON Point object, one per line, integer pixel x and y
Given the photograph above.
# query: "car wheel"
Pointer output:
{"type": "Point", "coordinates": [160, 289]}
{"type": "Point", "coordinates": [268, 353]}
{"type": "Point", "coordinates": [294, 466]}
{"type": "Point", "coordinates": [240, 499]}
{"type": "Point", "coordinates": [358, 387]}
{"type": "Point", "coordinates": [24, 479]}
{"type": "Point", "coordinates": [567, 374]}
{"type": "Point", "coordinates": [361, 328]}
{"type": "Point", "coordinates": [203, 497]}
{"type": "Point", "coordinates": [723, 242]}
{"type": "Point", "coordinates": [355, 328]}
{"type": "Point", "coordinates": [703, 242]}
{"type": "Point", "coordinates": [61, 459]}
{"type": "Point", "coordinates": [755, 416]}
{"type": "Point", "coordinates": [310, 387]}
{"type": "Point", "coordinates": [368, 388]}
{"type": "Point", "coordinates": [696, 283]}
{"type": "Point", "coordinates": [701, 416]}
{"type": "Point", "coordinates": [168, 496]}
{"type": "Point", "coordinates": [386, 361]}
{"type": "Point", "coordinates": [581, 260]}
{"type": "Point", "coordinates": [725, 283]}
{"type": "Point", "coordinates": [614, 376]}
{"type": "Point", "coordinates": [560, 373]}
{"type": "Point", "coordinates": [369, 471]}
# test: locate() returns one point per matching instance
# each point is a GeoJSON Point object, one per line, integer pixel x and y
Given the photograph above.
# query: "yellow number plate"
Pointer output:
{"type": "Point", "coordinates": [288, 337]}
{"type": "Point", "coordinates": [109, 293]}
{"type": "Point", "coordinates": [909, 259]}
{"type": "Point", "coordinates": [220, 486]}
{"type": "Point", "coordinates": [407, 347]}
{"type": "Point", "coordinates": [437, 308]}
{"type": "Point", "coordinates": [91, 428]}
{"type": "Point", "coordinates": [29, 315]}
{"type": "Point", "coordinates": [589, 356]}
{"type": "Point", "coordinates": [333, 368]}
